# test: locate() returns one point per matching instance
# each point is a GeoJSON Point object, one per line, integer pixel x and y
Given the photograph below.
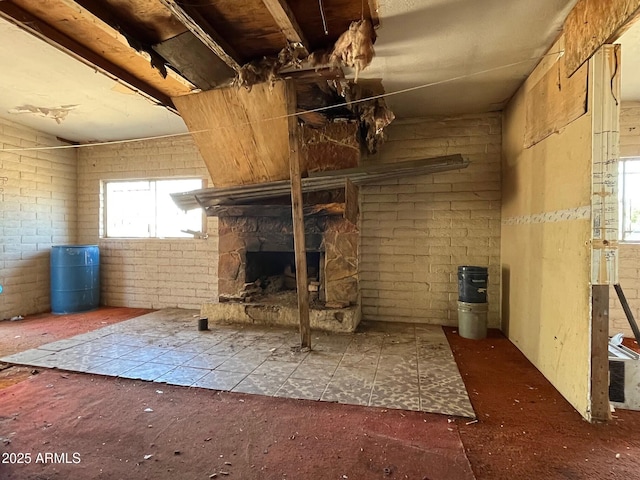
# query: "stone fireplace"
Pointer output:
{"type": "Point", "coordinates": [256, 270]}
{"type": "Point", "coordinates": [254, 252]}
{"type": "Point", "coordinates": [262, 161]}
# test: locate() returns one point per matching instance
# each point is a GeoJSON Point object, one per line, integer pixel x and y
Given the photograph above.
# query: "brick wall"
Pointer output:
{"type": "Point", "coordinates": [151, 273]}
{"type": "Point", "coordinates": [629, 262]}
{"type": "Point", "coordinates": [37, 210]}
{"type": "Point", "coordinates": [417, 231]}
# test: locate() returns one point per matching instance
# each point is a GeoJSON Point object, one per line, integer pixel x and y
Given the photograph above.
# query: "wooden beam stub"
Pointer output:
{"type": "Point", "coordinates": [351, 209]}
{"type": "Point", "coordinates": [554, 102]}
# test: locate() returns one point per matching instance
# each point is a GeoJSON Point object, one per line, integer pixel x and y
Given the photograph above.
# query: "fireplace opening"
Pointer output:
{"type": "Point", "coordinates": [273, 272]}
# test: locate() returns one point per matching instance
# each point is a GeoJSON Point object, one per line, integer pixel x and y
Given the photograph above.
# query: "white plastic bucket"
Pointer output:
{"type": "Point", "coordinates": [472, 320]}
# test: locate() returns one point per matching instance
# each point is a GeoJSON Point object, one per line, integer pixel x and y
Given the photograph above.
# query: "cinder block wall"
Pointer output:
{"type": "Point", "coordinates": [148, 273]}
{"type": "Point", "coordinates": [629, 262]}
{"type": "Point", "coordinates": [37, 211]}
{"type": "Point", "coordinates": [417, 231]}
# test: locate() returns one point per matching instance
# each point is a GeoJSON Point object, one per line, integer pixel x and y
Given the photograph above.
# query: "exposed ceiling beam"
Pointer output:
{"type": "Point", "coordinates": [606, 21]}
{"type": "Point", "coordinates": [195, 61]}
{"type": "Point", "coordinates": [70, 19]}
{"type": "Point", "coordinates": [23, 19]}
{"type": "Point", "coordinates": [282, 14]}
{"type": "Point", "coordinates": [205, 33]}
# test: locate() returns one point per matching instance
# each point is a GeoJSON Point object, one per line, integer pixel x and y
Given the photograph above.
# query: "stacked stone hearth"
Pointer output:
{"type": "Point", "coordinates": [253, 293]}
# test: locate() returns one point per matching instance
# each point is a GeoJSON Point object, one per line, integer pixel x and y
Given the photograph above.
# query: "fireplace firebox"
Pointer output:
{"type": "Point", "coordinates": [256, 256]}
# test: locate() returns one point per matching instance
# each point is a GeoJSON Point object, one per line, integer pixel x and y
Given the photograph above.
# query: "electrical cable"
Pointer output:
{"type": "Point", "coordinates": [319, 109]}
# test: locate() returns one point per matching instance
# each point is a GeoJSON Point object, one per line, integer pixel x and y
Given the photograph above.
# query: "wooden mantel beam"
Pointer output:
{"type": "Point", "coordinates": [205, 33]}
{"type": "Point", "coordinates": [282, 14]}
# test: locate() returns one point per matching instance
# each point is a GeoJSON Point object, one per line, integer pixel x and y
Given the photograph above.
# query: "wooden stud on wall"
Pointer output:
{"type": "Point", "coordinates": [298, 217]}
{"type": "Point", "coordinates": [554, 102]}
{"type": "Point", "coordinates": [605, 92]}
{"type": "Point", "coordinates": [599, 353]}
{"type": "Point", "coordinates": [605, 75]}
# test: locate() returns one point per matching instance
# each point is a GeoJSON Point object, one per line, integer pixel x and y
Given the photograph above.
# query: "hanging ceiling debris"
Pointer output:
{"type": "Point", "coordinates": [168, 48]}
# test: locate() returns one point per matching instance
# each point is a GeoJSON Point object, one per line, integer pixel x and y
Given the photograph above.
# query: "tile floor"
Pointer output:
{"type": "Point", "coordinates": [401, 366]}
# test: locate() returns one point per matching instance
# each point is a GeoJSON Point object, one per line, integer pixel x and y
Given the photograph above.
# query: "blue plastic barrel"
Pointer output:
{"type": "Point", "coordinates": [75, 278]}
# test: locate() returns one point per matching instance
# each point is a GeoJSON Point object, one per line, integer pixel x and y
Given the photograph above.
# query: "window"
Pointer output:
{"type": "Point", "coordinates": [629, 198]}
{"type": "Point", "coordinates": [144, 209]}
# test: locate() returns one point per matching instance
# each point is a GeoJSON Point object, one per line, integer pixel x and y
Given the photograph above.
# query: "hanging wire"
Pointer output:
{"type": "Point", "coordinates": [319, 109]}
{"type": "Point", "coordinates": [324, 20]}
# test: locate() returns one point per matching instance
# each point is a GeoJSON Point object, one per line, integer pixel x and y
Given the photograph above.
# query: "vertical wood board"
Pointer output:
{"type": "Point", "coordinates": [591, 24]}
{"type": "Point", "coordinates": [605, 88]}
{"type": "Point", "coordinates": [600, 353]}
{"type": "Point", "coordinates": [242, 135]}
{"type": "Point", "coordinates": [298, 217]}
{"type": "Point", "coordinates": [554, 102]}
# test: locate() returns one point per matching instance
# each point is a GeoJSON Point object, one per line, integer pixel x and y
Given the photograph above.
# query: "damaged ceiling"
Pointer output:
{"type": "Point", "coordinates": [89, 70]}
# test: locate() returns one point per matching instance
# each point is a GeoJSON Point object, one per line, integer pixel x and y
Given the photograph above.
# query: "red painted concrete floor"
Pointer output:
{"type": "Point", "coordinates": [525, 429]}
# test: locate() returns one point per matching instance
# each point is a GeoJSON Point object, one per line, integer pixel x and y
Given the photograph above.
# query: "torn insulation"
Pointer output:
{"type": "Point", "coordinates": [354, 48]}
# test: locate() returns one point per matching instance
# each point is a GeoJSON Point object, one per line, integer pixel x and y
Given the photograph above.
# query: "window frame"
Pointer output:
{"type": "Point", "coordinates": [622, 204]}
{"type": "Point", "coordinates": [103, 230]}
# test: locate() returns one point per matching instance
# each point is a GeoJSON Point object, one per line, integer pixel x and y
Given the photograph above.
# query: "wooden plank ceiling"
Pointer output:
{"type": "Point", "coordinates": [149, 44]}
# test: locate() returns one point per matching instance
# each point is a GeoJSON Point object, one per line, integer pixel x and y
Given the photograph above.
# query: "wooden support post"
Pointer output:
{"type": "Point", "coordinates": [600, 353]}
{"type": "Point", "coordinates": [298, 218]}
